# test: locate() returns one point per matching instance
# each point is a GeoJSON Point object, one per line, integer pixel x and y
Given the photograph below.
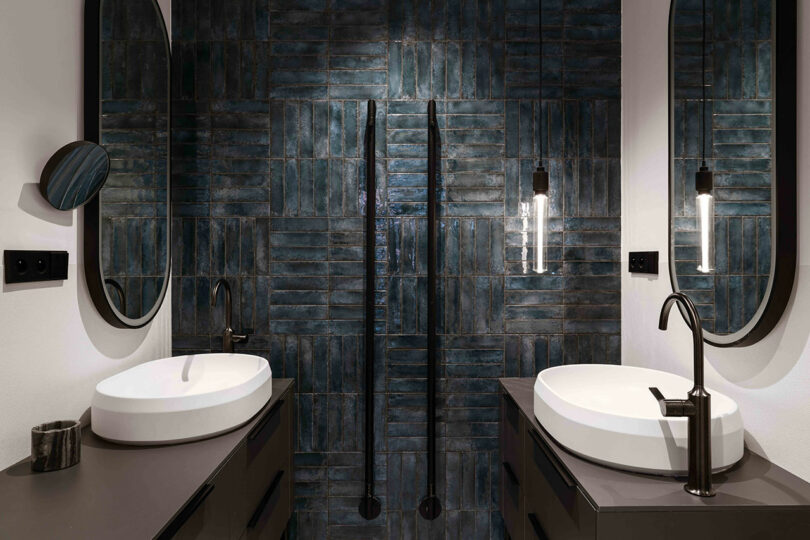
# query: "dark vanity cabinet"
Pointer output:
{"type": "Point", "coordinates": [555, 507]}
{"type": "Point", "coordinates": [539, 499]}
{"type": "Point", "coordinates": [235, 486]}
{"type": "Point", "coordinates": [546, 493]}
{"type": "Point", "coordinates": [250, 495]}
{"type": "Point", "coordinates": [217, 510]}
{"type": "Point", "coordinates": [512, 478]}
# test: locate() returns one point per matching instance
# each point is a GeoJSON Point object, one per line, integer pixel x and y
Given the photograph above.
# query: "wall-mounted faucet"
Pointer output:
{"type": "Point", "coordinates": [697, 406]}
{"type": "Point", "coordinates": [228, 337]}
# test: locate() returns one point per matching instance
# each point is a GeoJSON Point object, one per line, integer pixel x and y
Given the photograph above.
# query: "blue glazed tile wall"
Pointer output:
{"type": "Point", "coordinates": [134, 128]}
{"type": "Point", "coordinates": [739, 133]}
{"type": "Point", "coordinates": [270, 193]}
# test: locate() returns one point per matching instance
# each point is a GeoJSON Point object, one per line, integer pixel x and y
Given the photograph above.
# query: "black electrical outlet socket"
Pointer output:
{"type": "Point", "coordinates": [644, 262]}
{"type": "Point", "coordinates": [28, 266]}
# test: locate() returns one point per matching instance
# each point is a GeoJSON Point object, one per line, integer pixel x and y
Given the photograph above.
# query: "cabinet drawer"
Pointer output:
{"type": "Point", "coordinates": [268, 451]}
{"type": "Point", "coordinates": [511, 503]}
{"type": "Point", "coordinates": [511, 447]}
{"type": "Point", "coordinates": [555, 508]}
{"type": "Point", "coordinates": [269, 519]}
{"type": "Point", "coordinates": [217, 509]}
{"type": "Point", "coordinates": [534, 529]}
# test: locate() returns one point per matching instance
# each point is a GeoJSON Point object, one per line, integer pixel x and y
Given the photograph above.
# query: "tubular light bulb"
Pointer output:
{"type": "Point", "coordinates": [525, 229]}
{"type": "Point", "coordinates": [540, 232]}
{"type": "Point", "coordinates": [705, 223]}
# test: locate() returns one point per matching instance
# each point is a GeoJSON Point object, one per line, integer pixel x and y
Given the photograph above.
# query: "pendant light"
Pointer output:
{"type": "Point", "coordinates": [704, 180]}
{"type": "Point", "coordinates": [540, 176]}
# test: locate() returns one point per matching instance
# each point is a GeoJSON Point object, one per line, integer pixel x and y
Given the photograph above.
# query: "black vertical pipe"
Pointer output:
{"type": "Point", "coordinates": [370, 505]}
{"type": "Point", "coordinates": [430, 507]}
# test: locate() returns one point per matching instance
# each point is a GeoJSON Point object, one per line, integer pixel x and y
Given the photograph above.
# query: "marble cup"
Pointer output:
{"type": "Point", "coordinates": [56, 445]}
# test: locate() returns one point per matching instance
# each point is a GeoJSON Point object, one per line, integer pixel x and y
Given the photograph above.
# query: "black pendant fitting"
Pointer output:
{"type": "Point", "coordinates": [704, 180]}
{"type": "Point", "coordinates": [540, 179]}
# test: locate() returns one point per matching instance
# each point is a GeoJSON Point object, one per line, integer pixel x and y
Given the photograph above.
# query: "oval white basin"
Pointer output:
{"type": "Point", "coordinates": [607, 414]}
{"type": "Point", "coordinates": [180, 399]}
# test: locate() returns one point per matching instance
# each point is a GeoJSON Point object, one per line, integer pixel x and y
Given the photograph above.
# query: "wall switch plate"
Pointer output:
{"type": "Point", "coordinates": [28, 266]}
{"type": "Point", "coordinates": [644, 262]}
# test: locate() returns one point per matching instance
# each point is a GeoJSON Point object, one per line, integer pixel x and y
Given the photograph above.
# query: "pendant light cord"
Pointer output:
{"type": "Point", "coordinates": [540, 75]}
{"type": "Point", "coordinates": [703, 89]}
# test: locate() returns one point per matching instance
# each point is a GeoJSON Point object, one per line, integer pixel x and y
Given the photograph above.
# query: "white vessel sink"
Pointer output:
{"type": "Point", "coordinates": [607, 414]}
{"type": "Point", "coordinates": [180, 399]}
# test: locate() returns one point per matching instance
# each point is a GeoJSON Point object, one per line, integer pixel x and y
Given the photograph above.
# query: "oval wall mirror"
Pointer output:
{"type": "Point", "coordinates": [732, 150]}
{"type": "Point", "coordinates": [127, 98]}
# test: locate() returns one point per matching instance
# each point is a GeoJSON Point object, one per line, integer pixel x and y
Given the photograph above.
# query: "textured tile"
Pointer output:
{"type": "Point", "coordinates": [738, 138]}
{"type": "Point", "coordinates": [270, 177]}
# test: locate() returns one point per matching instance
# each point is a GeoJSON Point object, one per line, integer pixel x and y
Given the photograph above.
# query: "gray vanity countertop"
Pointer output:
{"type": "Point", "coordinates": [116, 491]}
{"type": "Point", "coordinates": [752, 482]}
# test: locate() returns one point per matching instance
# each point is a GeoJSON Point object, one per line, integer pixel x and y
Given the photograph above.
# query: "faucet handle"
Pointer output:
{"type": "Point", "coordinates": [242, 338]}
{"type": "Point", "coordinates": [672, 407]}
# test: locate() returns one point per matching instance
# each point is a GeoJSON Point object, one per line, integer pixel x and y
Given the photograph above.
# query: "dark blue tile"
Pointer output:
{"type": "Point", "coordinates": [423, 70]}
{"type": "Point", "coordinates": [409, 70]}
{"type": "Point", "coordinates": [468, 70]}
{"type": "Point", "coordinates": [453, 70]}
{"type": "Point", "coordinates": [302, 274]}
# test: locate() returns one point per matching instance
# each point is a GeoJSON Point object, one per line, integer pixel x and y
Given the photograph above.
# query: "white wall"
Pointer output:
{"type": "Point", "coordinates": [54, 347]}
{"type": "Point", "coordinates": [769, 380]}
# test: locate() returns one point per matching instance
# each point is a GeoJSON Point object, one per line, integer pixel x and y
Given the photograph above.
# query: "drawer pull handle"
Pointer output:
{"type": "Point", "coordinates": [187, 512]}
{"type": "Point", "coordinates": [559, 478]}
{"type": "Point", "coordinates": [264, 421]}
{"type": "Point", "coordinates": [512, 476]}
{"type": "Point", "coordinates": [538, 529]}
{"type": "Point", "coordinates": [560, 470]}
{"type": "Point", "coordinates": [511, 411]}
{"type": "Point", "coordinates": [254, 519]}
{"type": "Point", "coordinates": [511, 401]}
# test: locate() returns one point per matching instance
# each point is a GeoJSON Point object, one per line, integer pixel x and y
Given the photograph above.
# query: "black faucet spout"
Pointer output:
{"type": "Point", "coordinates": [228, 336]}
{"type": "Point", "coordinates": [694, 324]}
{"type": "Point", "coordinates": [215, 291]}
{"type": "Point", "coordinates": [697, 406]}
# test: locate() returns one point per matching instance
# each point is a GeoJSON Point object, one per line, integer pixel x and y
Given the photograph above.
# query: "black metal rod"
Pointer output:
{"type": "Point", "coordinates": [430, 508]}
{"type": "Point", "coordinates": [431, 314]}
{"type": "Point", "coordinates": [370, 506]}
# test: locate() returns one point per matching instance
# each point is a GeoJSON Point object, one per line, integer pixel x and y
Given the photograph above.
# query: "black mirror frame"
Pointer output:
{"type": "Point", "coordinates": [92, 212]}
{"type": "Point", "coordinates": [783, 268]}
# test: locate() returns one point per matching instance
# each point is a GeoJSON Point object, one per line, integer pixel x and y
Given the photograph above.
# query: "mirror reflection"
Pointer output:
{"type": "Point", "coordinates": [722, 62]}
{"type": "Point", "coordinates": [134, 129]}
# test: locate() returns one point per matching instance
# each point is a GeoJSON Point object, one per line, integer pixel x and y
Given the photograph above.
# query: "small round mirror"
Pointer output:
{"type": "Point", "coordinates": [74, 174]}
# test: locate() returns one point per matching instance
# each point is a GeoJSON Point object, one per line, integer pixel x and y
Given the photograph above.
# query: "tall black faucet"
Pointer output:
{"type": "Point", "coordinates": [228, 337]}
{"type": "Point", "coordinates": [697, 407]}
